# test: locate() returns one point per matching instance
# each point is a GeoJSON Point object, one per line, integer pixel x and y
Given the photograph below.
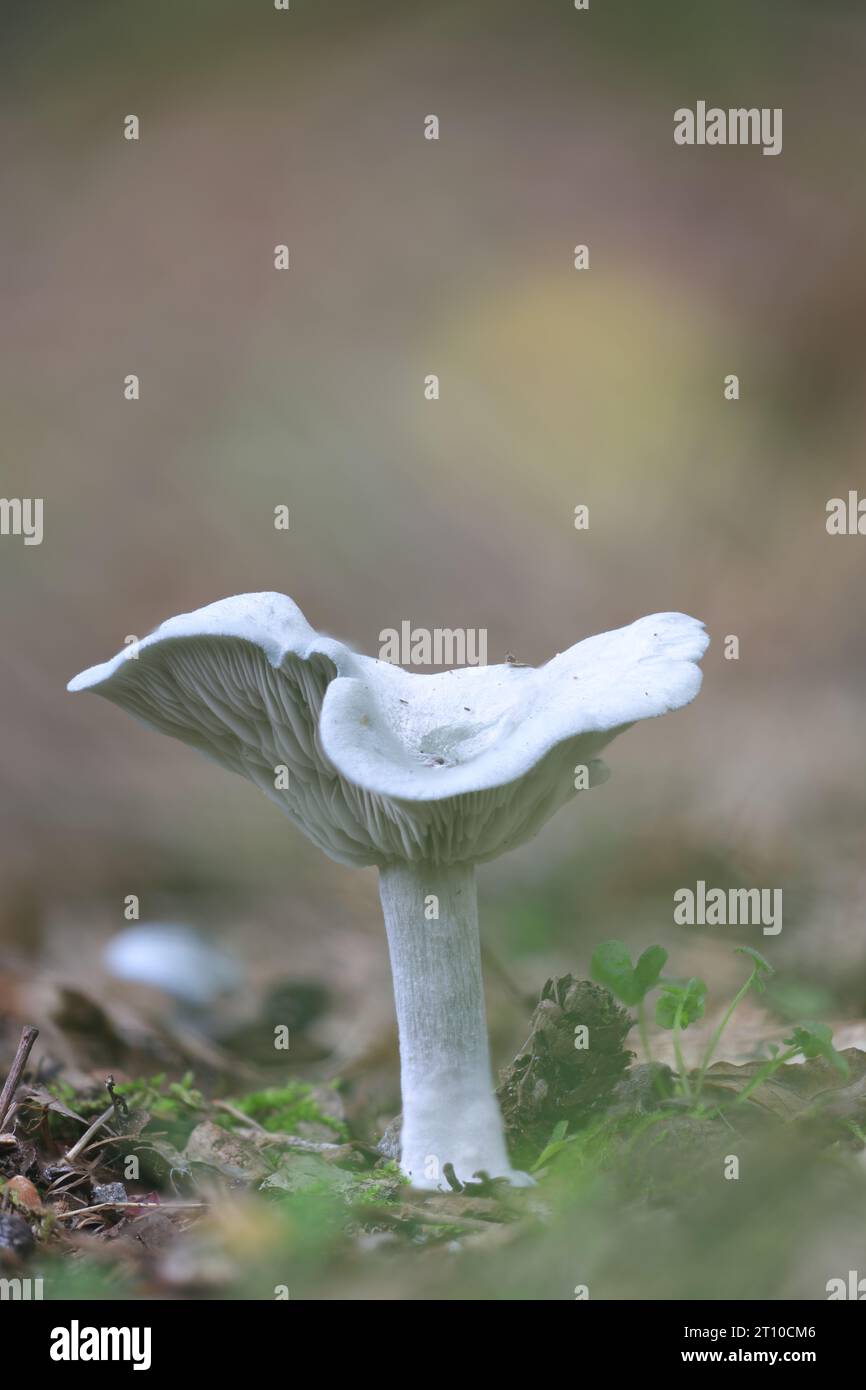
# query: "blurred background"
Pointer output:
{"type": "Point", "coordinates": [306, 388]}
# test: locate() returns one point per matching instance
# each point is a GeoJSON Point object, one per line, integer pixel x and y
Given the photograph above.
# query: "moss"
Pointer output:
{"type": "Point", "coordinates": [384, 1184]}
{"type": "Point", "coordinates": [83, 1105]}
{"type": "Point", "coordinates": [173, 1107]}
{"type": "Point", "coordinates": [280, 1109]}
{"type": "Point", "coordinates": [164, 1100]}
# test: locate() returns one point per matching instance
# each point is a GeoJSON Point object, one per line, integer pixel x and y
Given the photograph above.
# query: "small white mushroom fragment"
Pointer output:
{"type": "Point", "coordinates": [175, 959]}
{"type": "Point", "coordinates": [423, 776]}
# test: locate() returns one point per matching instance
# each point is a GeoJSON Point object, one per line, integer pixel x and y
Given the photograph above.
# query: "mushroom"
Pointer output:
{"type": "Point", "coordinates": [423, 776]}
{"type": "Point", "coordinates": [175, 959]}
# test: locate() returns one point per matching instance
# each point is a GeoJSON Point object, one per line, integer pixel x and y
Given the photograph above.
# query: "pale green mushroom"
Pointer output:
{"type": "Point", "coordinates": [422, 775]}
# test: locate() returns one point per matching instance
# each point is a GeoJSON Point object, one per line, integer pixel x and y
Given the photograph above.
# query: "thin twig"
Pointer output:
{"type": "Point", "coordinates": [259, 1135]}
{"type": "Point", "coordinates": [122, 1139]}
{"type": "Point", "coordinates": [246, 1120]}
{"type": "Point", "coordinates": [66, 1183]}
{"type": "Point", "coordinates": [407, 1212]}
{"type": "Point", "coordinates": [294, 1141]}
{"type": "Point", "coordinates": [142, 1206]}
{"type": "Point", "coordinates": [72, 1154]}
{"type": "Point", "coordinates": [19, 1062]}
{"type": "Point", "coordinates": [8, 1121]}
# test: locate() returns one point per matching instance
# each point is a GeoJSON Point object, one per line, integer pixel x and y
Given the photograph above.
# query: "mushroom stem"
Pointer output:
{"type": "Point", "coordinates": [450, 1113]}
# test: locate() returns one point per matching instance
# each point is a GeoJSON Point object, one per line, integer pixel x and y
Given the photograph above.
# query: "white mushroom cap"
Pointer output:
{"type": "Point", "coordinates": [385, 764]}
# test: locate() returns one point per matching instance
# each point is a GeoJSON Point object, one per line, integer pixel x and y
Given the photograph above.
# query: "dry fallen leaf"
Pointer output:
{"type": "Point", "coordinates": [22, 1191]}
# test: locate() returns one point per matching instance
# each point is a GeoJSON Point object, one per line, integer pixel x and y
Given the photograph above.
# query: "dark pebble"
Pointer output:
{"type": "Point", "coordinates": [109, 1192]}
{"type": "Point", "coordinates": [16, 1236]}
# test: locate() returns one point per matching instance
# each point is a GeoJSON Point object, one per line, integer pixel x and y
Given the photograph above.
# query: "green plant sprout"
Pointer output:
{"type": "Point", "coordinates": [557, 1142]}
{"type": "Point", "coordinates": [756, 981]}
{"type": "Point", "coordinates": [630, 984]}
{"type": "Point", "coordinates": [682, 1002]}
{"type": "Point", "coordinates": [807, 1040]}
